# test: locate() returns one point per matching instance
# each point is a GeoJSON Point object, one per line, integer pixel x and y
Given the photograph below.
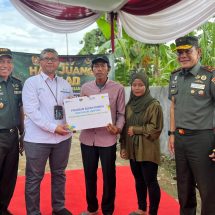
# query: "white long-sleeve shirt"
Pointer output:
{"type": "Point", "coordinates": [38, 104]}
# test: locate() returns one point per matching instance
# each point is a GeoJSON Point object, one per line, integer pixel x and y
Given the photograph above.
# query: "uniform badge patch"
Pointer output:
{"type": "Point", "coordinates": [192, 91]}
{"type": "Point", "coordinates": [1, 105]}
{"type": "Point", "coordinates": [198, 86]}
{"type": "Point", "coordinates": [203, 77]}
{"type": "Point", "coordinates": [201, 92]}
{"type": "Point", "coordinates": [199, 81]}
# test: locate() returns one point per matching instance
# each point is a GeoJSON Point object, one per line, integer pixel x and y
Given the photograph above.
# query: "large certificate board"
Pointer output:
{"type": "Point", "coordinates": [88, 112]}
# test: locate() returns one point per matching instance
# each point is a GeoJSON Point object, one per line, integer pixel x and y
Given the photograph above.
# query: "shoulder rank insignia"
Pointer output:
{"type": "Point", "coordinates": [177, 70]}
{"type": "Point", "coordinates": [209, 68]}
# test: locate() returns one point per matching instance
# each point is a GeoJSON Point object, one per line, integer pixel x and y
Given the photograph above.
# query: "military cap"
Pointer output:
{"type": "Point", "coordinates": [101, 59]}
{"type": "Point", "coordinates": [186, 42]}
{"type": "Point", "coordinates": [5, 52]}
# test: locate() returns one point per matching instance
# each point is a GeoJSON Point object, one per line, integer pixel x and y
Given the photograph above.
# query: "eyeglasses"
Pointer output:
{"type": "Point", "coordinates": [46, 59]}
{"type": "Point", "coordinates": [186, 51]}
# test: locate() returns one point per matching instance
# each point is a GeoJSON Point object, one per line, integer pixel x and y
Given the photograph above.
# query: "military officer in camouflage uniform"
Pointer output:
{"type": "Point", "coordinates": [11, 126]}
{"type": "Point", "coordinates": [192, 94]}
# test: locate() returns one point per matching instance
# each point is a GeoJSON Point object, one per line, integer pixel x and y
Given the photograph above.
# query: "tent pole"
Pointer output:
{"type": "Point", "coordinates": [67, 45]}
{"type": "Point", "coordinates": [112, 31]}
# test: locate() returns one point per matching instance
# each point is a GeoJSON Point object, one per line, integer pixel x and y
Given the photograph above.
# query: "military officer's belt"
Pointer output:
{"type": "Point", "coordinates": [9, 130]}
{"type": "Point", "coordinates": [183, 131]}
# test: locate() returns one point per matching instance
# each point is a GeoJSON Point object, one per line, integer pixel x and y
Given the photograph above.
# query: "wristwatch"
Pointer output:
{"type": "Point", "coordinates": [171, 133]}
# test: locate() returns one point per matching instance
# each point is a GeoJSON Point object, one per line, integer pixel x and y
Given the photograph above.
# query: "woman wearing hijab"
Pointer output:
{"type": "Point", "coordinates": [140, 142]}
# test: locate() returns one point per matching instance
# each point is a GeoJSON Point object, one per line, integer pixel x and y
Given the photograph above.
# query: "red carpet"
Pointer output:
{"type": "Point", "coordinates": [75, 194]}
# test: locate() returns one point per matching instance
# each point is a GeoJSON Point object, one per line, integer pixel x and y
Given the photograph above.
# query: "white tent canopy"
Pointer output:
{"type": "Point", "coordinates": [178, 19]}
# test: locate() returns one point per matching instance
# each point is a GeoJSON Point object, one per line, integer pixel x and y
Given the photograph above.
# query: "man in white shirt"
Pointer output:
{"type": "Point", "coordinates": [46, 134]}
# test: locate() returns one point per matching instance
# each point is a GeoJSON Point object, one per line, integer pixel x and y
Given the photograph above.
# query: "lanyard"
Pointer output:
{"type": "Point", "coordinates": [55, 97]}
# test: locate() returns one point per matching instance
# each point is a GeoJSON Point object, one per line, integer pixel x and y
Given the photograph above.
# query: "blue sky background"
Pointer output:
{"type": "Point", "coordinates": [18, 34]}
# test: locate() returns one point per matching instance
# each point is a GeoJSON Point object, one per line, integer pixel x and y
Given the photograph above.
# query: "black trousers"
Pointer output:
{"type": "Point", "coordinates": [9, 158]}
{"type": "Point", "coordinates": [145, 175]}
{"type": "Point", "coordinates": [194, 167]}
{"type": "Point", "coordinates": [90, 157]}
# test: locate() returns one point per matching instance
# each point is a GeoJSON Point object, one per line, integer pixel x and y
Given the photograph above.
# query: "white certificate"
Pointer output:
{"type": "Point", "coordinates": [88, 112]}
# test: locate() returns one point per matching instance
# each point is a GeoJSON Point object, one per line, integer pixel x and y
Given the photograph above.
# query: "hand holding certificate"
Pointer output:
{"type": "Point", "coordinates": [88, 112]}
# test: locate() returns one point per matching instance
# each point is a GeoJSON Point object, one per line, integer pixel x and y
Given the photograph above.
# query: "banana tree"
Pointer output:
{"type": "Point", "coordinates": [158, 60]}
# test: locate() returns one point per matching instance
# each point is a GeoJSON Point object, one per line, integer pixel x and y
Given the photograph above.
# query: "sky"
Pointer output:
{"type": "Point", "coordinates": [20, 35]}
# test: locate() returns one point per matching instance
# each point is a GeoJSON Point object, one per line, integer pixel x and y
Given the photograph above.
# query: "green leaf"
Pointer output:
{"type": "Point", "coordinates": [105, 27]}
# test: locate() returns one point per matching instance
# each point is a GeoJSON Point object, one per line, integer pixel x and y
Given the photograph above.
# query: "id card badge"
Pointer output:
{"type": "Point", "coordinates": [58, 112]}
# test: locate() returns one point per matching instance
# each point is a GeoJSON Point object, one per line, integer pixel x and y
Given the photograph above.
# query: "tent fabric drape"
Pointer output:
{"type": "Point", "coordinates": [97, 5]}
{"type": "Point", "coordinates": [168, 19]}
{"type": "Point", "coordinates": [58, 11]}
{"type": "Point", "coordinates": [147, 7]}
{"type": "Point", "coordinates": [51, 24]}
{"type": "Point", "coordinates": [168, 24]}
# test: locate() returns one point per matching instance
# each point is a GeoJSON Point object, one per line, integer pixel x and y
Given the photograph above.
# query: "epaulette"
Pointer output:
{"type": "Point", "coordinates": [209, 68]}
{"type": "Point", "coordinates": [177, 70]}
{"type": "Point", "coordinates": [17, 79]}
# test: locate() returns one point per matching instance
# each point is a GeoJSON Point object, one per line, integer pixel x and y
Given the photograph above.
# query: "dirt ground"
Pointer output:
{"type": "Point", "coordinates": [166, 172]}
{"type": "Point", "coordinates": [75, 160]}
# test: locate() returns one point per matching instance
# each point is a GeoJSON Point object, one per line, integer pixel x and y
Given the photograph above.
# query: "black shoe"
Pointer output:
{"type": "Point", "coordinates": [107, 213]}
{"type": "Point", "coordinates": [5, 212]}
{"type": "Point", "coordinates": [62, 212]}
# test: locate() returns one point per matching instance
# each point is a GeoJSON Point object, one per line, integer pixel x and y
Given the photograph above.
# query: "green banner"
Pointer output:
{"type": "Point", "coordinates": [76, 69]}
